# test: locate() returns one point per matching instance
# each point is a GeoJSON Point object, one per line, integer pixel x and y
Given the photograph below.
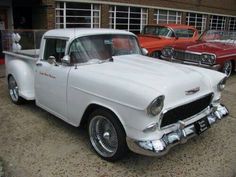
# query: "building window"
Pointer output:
{"type": "Point", "coordinates": [197, 20]}
{"type": "Point", "coordinates": [232, 23]}
{"type": "Point", "coordinates": [128, 18]}
{"type": "Point", "coordinates": [167, 16]}
{"type": "Point", "coordinates": [217, 22]}
{"type": "Point", "coordinates": [73, 14]}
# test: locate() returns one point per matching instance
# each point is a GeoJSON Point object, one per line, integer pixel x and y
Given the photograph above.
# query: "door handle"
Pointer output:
{"type": "Point", "coordinates": [39, 64]}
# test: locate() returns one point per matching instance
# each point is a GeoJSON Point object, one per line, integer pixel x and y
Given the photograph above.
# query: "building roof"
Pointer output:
{"type": "Point", "coordinates": [78, 32]}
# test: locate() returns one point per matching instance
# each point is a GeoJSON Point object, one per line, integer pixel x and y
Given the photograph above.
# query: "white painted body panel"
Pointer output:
{"type": "Point", "coordinates": [22, 68]}
{"type": "Point", "coordinates": [126, 86]}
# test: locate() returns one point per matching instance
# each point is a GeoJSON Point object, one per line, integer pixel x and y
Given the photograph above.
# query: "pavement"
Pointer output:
{"type": "Point", "coordinates": [34, 143]}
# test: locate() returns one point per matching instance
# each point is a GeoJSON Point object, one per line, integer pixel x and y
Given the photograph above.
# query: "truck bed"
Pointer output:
{"type": "Point", "coordinates": [30, 54]}
{"type": "Point", "coordinates": [21, 65]}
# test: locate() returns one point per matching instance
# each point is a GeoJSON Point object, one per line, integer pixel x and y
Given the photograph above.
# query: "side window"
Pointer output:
{"type": "Point", "coordinates": [184, 33]}
{"type": "Point", "coordinates": [56, 48]}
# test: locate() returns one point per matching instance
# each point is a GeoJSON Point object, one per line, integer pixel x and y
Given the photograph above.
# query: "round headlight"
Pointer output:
{"type": "Point", "coordinates": [221, 84]}
{"type": "Point", "coordinates": [156, 106]}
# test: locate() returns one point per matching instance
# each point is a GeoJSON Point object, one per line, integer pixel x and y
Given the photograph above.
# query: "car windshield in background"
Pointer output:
{"type": "Point", "coordinates": [102, 47]}
{"type": "Point", "coordinates": [157, 31]}
{"type": "Point", "coordinates": [184, 33]}
{"type": "Point", "coordinates": [215, 35]}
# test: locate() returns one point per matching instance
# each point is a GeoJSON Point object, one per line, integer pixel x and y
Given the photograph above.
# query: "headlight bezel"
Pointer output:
{"type": "Point", "coordinates": [167, 52]}
{"type": "Point", "coordinates": [221, 84]}
{"type": "Point", "coordinates": [156, 106]}
{"type": "Point", "coordinates": [208, 58]}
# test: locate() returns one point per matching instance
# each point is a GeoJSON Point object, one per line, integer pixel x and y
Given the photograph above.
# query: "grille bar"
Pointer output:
{"type": "Point", "coordinates": [196, 58]}
{"type": "Point", "coordinates": [185, 111]}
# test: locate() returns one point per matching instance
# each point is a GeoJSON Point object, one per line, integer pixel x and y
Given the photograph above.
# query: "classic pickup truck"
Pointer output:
{"type": "Point", "coordinates": [214, 49]}
{"type": "Point", "coordinates": [99, 78]}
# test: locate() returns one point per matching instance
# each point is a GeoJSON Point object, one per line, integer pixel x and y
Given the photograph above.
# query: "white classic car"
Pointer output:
{"type": "Point", "coordinates": [99, 77]}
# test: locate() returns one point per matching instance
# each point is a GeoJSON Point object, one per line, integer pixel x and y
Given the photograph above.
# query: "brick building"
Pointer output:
{"type": "Point", "coordinates": [122, 14]}
{"type": "Point", "coordinates": [119, 14]}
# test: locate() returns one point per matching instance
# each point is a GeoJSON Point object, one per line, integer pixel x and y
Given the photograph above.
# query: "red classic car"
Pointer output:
{"type": "Point", "coordinates": [214, 49]}
{"type": "Point", "coordinates": [155, 37]}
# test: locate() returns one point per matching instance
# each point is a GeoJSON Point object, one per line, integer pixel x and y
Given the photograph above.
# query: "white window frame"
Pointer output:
{"type": "Point", "coordinates": [232, 24]}
{"type": "Point", "coordinates": [157, 14]}
{"type": "Point", "coordinates": [113, 15]}
{"type": "Point", "coordinates": [220, 23]}
{"type": "Point", "coordinates": [198, 18]}
{"type": "Point", "coordinates": [58, 17]}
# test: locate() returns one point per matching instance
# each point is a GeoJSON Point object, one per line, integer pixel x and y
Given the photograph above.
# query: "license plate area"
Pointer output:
{"type": "Point", "coordinates": [201, 125]}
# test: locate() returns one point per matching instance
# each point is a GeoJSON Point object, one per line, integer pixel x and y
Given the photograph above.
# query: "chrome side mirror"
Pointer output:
{"type": "Point", "coordinates": [144, 51]}
{"type": "Point", "coordinates": [66, 60]}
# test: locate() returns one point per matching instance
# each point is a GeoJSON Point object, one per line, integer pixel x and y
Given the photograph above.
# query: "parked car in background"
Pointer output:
{"type": "Point", "coordinates": [214, 49]}
{"type": "Point", "coordinates": [155, 37]}
{"type": "Point", "coordinates": [99, 78]}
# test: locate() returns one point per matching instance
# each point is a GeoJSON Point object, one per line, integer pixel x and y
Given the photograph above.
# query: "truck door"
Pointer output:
{"type": "Point", "coordinates": [51, 78]}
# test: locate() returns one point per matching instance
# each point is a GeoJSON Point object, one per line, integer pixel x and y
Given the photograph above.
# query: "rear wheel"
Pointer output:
{"type": "Point", "coordinates": [227, 68]}
{"type": "Point", "coordinates": [107, 135]}
{"type": "Point", "coordinates": [14, 91]}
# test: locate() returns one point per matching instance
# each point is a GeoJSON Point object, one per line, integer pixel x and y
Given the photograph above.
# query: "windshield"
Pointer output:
{"type": "Point", "coordinates": [102, 47]}
{"type": "Point", "coordinates": [157, 30]}
{"type": "Point", "coordinates": [216, 35]}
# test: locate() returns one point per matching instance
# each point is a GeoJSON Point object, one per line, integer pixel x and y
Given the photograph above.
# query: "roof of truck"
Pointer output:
{"type": "Point", "coordinates": [78, 32]}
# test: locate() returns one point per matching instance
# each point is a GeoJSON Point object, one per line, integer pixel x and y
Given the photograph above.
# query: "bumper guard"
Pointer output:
{"type": "Point", "coordinates": [161, 146]}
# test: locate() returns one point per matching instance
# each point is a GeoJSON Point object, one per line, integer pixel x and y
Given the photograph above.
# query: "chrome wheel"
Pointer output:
{"type": "Point", "coordinates": [103, 136]}
{"type": "Point", "coordinates": [13, 89]}
{"type": "Point", "coordinates": [227, 68]}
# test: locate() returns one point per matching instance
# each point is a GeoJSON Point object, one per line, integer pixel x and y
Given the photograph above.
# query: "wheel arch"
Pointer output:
{"type": "Point", "coordinates": [94, 106]}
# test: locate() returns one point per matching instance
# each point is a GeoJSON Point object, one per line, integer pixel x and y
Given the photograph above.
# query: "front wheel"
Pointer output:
{"type": "Point", "coordinates": [227, 68]}
{"type": "Point", "coordinates": [107, 135]}
{"type": "Point", "coordinates": [14, 91]}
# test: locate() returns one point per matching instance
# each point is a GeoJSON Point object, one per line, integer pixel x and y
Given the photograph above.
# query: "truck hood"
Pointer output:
{"type": "Point", "coordinates": [142, 79]}
{"type": "Point", "coordinates": [201, 46]}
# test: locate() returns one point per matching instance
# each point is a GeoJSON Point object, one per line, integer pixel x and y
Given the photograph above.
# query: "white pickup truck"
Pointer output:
{"type": "Point", "coordinates": [99, 77]}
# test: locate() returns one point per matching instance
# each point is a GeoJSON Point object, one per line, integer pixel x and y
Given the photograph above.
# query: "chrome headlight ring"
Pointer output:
{"type": "Point", "coordinates": [155, 107]}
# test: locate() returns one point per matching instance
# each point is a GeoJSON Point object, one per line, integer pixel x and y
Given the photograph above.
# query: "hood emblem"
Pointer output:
{"type": "Point", "coordinates": [192, 91]}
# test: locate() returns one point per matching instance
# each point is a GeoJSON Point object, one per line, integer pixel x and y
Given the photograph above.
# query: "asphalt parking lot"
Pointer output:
{"type": "Point", "coordinates": [34, 143]}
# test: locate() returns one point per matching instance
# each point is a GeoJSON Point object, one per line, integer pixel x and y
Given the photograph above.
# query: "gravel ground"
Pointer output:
{"type": "Point", "coordinates": [2, 71]}
{"type": "Point", "coordinates": [34, 143]}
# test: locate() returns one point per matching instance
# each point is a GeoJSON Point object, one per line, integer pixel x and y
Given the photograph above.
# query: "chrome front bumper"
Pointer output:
{"type": "Point", "coordinates": [161, 146]}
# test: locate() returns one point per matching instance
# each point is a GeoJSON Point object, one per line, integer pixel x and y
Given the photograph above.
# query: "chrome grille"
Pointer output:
{"type": "Point", "coordinates": [181, 55]}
